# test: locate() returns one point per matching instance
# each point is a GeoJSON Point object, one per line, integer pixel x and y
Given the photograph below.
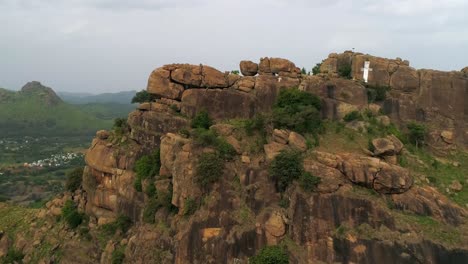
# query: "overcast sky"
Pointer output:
{"type": "Point", "coordinates": [113, 45]}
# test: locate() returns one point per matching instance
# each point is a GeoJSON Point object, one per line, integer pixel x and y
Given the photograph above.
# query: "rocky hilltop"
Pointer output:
{"type": "Point", "coordinates": [371, 201]}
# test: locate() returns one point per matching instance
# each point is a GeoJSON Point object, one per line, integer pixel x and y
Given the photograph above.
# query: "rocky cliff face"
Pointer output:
{"type": "Point", "coordinates": [366, 208]}
{"type": "Point", "coordinates": [434, 97]}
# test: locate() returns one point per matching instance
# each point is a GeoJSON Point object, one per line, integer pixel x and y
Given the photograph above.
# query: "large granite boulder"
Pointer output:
{"type": "Point", "coordinates": [248, 68]}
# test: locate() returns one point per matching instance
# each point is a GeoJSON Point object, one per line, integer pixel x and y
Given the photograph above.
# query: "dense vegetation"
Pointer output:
{"type": "Point", "coordinates": [74, 179]}
{"type": "Point", "coordinates": [147, 167]}
{"type": "Point", "coordinates": [142, 97]}
{"type": "Point", "coordinates": [376, 93]}
{"type": "Point", "coordinates": [287, 167]}
{"type": "Point", "coordinates": [202, 120]}
{"type": "Point", "coordinates": [297, 110]}
{"type": "Point", "coordinates": [271, 255]}
{"type": "Point", "coordinates": [71, 215]}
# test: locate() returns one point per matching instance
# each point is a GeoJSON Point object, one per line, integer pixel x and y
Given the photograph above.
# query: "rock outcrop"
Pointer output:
{"type": "Point", "coordinates": [434, 97]}
{"type": "Point", "coordinates": [357, 212]}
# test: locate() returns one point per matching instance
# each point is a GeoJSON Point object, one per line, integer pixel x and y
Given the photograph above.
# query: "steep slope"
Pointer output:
{"type": "Point", "coordinates": [37, 110]}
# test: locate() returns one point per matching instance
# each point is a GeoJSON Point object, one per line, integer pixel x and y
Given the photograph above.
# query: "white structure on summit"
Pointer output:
{"type": "Point", "coordinates": [366, 70]}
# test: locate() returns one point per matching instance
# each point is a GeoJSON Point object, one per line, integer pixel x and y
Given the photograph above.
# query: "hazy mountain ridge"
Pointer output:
{"type": "Point", "coordinates": [124, 97]}
{"type": "Point", "coordinates": [38, 110]}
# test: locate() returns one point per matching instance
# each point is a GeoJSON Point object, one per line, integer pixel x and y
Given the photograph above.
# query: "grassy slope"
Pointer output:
{"type": "Point", "coordinates": [25, 114]}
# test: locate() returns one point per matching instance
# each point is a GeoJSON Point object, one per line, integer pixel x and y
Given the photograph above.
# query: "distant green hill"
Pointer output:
{"type": "Point", "coordinates": [37, 110]}
{"type": "Point", "coordinates": [83, 98]}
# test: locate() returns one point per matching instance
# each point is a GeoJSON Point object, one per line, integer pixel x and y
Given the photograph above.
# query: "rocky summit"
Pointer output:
{"type": "Point", "coordinates": [205, 172]}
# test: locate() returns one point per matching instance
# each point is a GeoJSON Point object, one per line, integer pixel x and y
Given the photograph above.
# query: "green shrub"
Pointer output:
{"type": "Point", "coordinates": [150, 210]}
{"type": "Point", "coordinates": [297, 110]}
{"type": "Point", "coordinates": [308, 181]}
{"type": "Point", "coordinates": [271, 255]}
{"type": "Point", "coordinates": [147, 167]}
{"type": "Point", "coordinates": [236, 72]}
{"type": "Point", "coordinates": [255, 124]}
{"type": "Point", "coordinates": [74, 179]}
{"type": "Point", "coordinates": [12, 256]}
{"type": "Point", "coordinates": [303, 71]}
{"type": "Point", "coordinates": [285, 168]}
{"type": "Point", "coordinates": [376, 93]}
{"type": "Point", "coordinates": [351, 116]}
{"type": "Point", "coordinates": [209, 169]}
{"type": "Point", "coordinates": [316, 69]}
{"type": "Point", "coordinates": [71, 215]}
{"type": "Point", "coordinates": [120, 123]}
{"type": "Point", "coordinates": [162, 199]}
{"type": "Point", "coordinates": [142, 97]}
{"type": "Point", "coordinates": [225, 150]}
{"type": "Point", "coordinates": [138, 185]}
{"type": "Point", "coordinates": [205, 138]}
{"type": "Point", "coordinates": [284, 202]}
{"type": "Point", "coordinates": [118, 255]}
{"type": "Point", "coordinates": [190, 206]}
{"type": "Point", "coordinates": [202, 120]}
{"type": "Point", "coordinates": [344, 70]}
{"type": "Point", "coordinates": [185, 133]}
{"type": "Point", "coordinates": [370, 146]}
{"type": "Point", "coordinates": [122, 223]}
{"type": "Point", "coordinates": [150, 190]}
{"type": "Point", "coordinates": [416, 133]}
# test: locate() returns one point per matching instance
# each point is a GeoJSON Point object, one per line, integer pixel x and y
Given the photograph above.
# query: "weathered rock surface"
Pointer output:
{"type": "Point", "coordinates": [429, 96]}
{"type": "Point", "coordinates": [240, 213]}
{"type": "Point", "coordinates": [370, 172]}
{"type": "Point", "coordinates": [248, 68]}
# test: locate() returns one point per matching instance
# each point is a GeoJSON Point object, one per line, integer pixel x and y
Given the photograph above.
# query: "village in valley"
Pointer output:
{"type": "Point", "coordinates": [33, 169]}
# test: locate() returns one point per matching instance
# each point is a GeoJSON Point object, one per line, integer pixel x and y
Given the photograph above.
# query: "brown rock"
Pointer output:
{"type": "Point", "coordinates": [456, 186]}
{"type": "Point", "coordinates": [103, 134]}
{"type": "Point", "coordinates": [223, 129]}
{"type": "Point", "coordinates": [405, 79]}
{"type": "Point", "coordinates": [181, 164]}
{"type": "Point", "coordinates": [159, 83]}
{"type": "Point", "coordinates": [384, 120]}
{"type": "Point", "coordinates": [5, 244]}
{"type": "Point", "coordinates": [144, 106]}
{"type": "Point", "coordinates": [212, 78]}
{"type": "Point", "coordinates": [428, 201]}
{"type": "Point", "coordinates": [369, 172]}
{"type": "Point", "coordinates": [234, 143]}
{"type": "Point", "coordinates": [220, 104]}
{"type": "Point", "coordinates": [273, 149]}
{"type": "Point", "coordinates": [208, 233]}
{"type": "Point", "coordinates": [264, 66]}
{"type": "Point", "coordinates": [297, 141]}
{"type": "Point", "coordinates": [331, 178]}
{"type": "Point", "coordinates": [246, 84]}
{"type": "Point", "coordinates": [278, 65]}
{"type": "Point", "coordinates": [392, 179]}
{"type": "Point", "coordinates": [248, 68]}
{"type": "Point", "coordinates": [447, 136]}
{"type": "Point", "coordinates": [383, 147]}
{"type": "Point", "coordinates": [190, 75]}
{"type": "Point", "coordinates": [281, 136]}
{"type": "Point", "coordinates": [398, 145]}
{"type": "Point", "coordinates": [275, 225]}
{"type": "Point", "coordinates": [170, 102]}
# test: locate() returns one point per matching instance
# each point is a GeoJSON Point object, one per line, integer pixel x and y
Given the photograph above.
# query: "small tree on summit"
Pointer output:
{"type": "Point", "coordinates": [142, 97]}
